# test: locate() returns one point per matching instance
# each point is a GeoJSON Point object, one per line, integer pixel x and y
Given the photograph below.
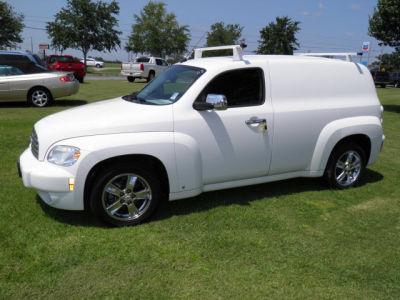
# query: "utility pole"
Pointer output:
{"type": "Point", "coordinates": [380, 60]}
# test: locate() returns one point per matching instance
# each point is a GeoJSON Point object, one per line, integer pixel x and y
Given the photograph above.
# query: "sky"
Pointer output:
{"type": "Point", "coordinates": [326, 25]}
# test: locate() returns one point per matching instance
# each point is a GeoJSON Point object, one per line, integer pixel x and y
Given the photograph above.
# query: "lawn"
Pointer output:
{"type": "Point", "coordinates": [109, 69]}
{"type": "Point", "coordinates": [289, 239]}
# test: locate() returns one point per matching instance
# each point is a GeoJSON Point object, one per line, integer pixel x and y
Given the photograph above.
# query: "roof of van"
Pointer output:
{"type": "Point", "coordinates": [212, 62]}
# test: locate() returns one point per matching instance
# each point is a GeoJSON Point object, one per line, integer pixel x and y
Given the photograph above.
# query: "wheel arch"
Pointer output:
{"type": "Point", "coordinates": [365, 131]}
{"type": "Point", "coordinates": [37, 87]}
{"type": "Point", "coordinates": [155, 164]}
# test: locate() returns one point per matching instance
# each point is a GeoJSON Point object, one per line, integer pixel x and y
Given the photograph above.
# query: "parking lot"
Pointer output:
{"type": "Point", "coordinates": [296, 235]}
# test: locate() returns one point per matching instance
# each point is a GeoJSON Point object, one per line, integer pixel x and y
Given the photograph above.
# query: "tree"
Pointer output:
{"type": "Point", "coordinates": [279, 37]}
{"type": "Point", "coordinates": [384, 24]}
{"type": "Point", "coordinates": [10, 26]}
{"type": "Point", "coordinates": [85, 25]}
{"type": "Point", "coordinates": [157, 32]}
{"type": "Point", "coordinates": [390, 62]}
{"type": "Point", "coordinates": [221, 34]}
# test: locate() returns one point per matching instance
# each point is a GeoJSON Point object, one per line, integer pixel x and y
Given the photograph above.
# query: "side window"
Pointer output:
{"type": "Point", "coordinates": [15, 71]}
{"type": "Point", "coordinates": [164, 63]}
{"type": "Point", "coordinates": [10, 71]}
{"type": "Point", "coordinates": [159, 62]}
{"type": "Point", "coordinates": [3, 59]}
{"type": "Point", "coordinates": [243, 87]}
{"type": "Point", "coordinates": [3, 71]}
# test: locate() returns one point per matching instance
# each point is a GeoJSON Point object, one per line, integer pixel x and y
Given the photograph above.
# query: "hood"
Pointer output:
{"type": "Point", "coordinates": [103, 117]}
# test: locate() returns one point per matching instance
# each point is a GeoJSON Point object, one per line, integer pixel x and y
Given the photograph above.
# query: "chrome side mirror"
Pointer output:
{"type": "Point", "coordinates": [218, 102]}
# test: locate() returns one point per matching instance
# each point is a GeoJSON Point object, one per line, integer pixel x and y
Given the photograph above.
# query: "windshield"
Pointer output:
{"type": "Point", "coordinates": [169, 86]}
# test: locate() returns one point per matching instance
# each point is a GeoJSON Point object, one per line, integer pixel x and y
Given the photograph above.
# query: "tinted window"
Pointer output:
{"type": "Point", "coordinates": [65, 59]}
{"type": "Point", "coordinates": [38, 60]}
{"type": "Point", "coordinates": [244, 87]}
{"type": "Point", "coordinates": [158, 62]}
{"type": "Point", "coordinates": [142, 60]}
{"type": "Point", "coordinates": [9, 71]}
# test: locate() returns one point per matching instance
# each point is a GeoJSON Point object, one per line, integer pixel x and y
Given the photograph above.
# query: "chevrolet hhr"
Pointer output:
{"type": "Point", "coordinates": [208, 124]}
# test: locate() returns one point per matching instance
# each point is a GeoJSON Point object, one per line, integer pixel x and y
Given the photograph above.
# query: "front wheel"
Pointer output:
{"type": "Point", "coordinates": [131, 79]}
{"type": "Point", "coordinates": [125, 195]}
{"type": "Point", "coordinates": [345, 166]}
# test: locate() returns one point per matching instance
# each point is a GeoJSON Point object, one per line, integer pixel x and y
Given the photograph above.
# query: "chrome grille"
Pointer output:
{"type": "Point", "coordinates": [34, 144]}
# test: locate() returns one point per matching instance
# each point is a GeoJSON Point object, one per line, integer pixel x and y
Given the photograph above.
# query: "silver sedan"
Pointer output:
{"type": "Point", "coordinates": [39, 89]}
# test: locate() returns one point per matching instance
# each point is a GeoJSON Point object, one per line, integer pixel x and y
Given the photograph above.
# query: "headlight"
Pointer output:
{"type": "Point", "coordinates": [64, 155]}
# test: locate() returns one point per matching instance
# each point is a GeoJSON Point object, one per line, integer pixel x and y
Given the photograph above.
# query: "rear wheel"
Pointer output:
{"type": "Point", "coordinates": [346, 166]}
{"type": "Point", "coordinates": [98, 66]}
{"type": "Point", "coordinates": [125, 195]}
{"type": "Point", "coordinates": [80, 79]}
{"type": "Point", "coordinates": [131, 78]}
{"type": "Point", "coordinates": [383, 86]}
{"type": "Point", "coordinates": [151, 76]}
{"type": "Point", "coordinates": [39, 97]}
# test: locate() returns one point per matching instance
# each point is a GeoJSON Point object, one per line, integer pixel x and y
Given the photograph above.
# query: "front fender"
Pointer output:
{"type": "Point", "coordinates": [335, 131]}
{"type": "Point", "coordinates": [98, 148]}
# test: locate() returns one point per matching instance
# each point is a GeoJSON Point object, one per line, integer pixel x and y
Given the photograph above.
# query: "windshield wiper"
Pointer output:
{"type": "Point", "coordinates": [133, 98]}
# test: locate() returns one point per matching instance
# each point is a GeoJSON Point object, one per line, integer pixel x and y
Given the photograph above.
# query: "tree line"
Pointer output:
{"type": "Point", "coordinates": [88, 25]}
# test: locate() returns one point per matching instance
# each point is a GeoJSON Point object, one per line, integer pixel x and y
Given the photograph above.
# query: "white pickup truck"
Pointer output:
{"type": "Point", "coordinates": [204, 125]}
{"type": "Point", "coordinates": [144, 68]}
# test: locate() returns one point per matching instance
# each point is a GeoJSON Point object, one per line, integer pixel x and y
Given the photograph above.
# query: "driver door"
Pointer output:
{"type": "Point", "coordinates": [235, 144]}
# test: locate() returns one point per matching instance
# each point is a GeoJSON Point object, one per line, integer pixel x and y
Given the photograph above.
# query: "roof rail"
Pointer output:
{"type": "Point", "coordinates": [236, 50]}
{"type": "Point", "coordinates": [347, 55]}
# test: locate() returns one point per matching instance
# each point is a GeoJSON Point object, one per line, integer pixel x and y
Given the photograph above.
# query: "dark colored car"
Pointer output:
{"type": "Point", "coordinates": [381, 78]}
{"type": "Point", "coordinates": [67, 63]}
{"type": "Point", "coordinates": [25, 61]}
{"type": "Point", "coordinates": [395, 79]}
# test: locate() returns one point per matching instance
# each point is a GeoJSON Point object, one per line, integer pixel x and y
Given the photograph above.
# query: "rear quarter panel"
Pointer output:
{"type": "Point", "coordinates": [307, 95]}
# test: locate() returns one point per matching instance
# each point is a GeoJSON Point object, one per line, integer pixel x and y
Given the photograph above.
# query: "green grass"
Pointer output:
{"type": "Point", "coordinates": [109, 69]}
{"type": "Point", "coordinates": [289, 239]}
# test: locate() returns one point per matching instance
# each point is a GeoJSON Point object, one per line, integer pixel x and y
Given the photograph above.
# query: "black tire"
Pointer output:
{"type": "Point", "coordinates": [98, 66]}
{"type": "Point", "coordinates": [151, 76]}
{"type": "Point", "coordinates": [131, 79]}
{"type": "Point", "coordinates": [397, 84]}
{"type": "Point", "coordinates": [81, 80]}
{"type": "Point", "coordinates": [99, 198]}
{"type": "Point", "coordinates": [39, 97]}
{"type": "Point", "coordinates": [383, 86]}
{"type": "Point", "coordinates": [333, 171]}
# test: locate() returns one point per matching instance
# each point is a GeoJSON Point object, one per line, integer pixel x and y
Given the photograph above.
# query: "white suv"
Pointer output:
{"type": "Point", "coordinates": [204, 125]}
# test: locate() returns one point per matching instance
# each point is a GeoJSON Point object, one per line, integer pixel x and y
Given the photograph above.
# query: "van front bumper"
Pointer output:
{"type": "Point", "coordinates": [51, 182]}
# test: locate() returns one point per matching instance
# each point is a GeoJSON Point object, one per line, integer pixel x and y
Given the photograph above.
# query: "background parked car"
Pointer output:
{"type": "Point", "coordinates": [25, 61]}
{"type": "Point", "coordinates": [143, 67]}
{"type": "Point", "coordinates": [91, 62]}
{"type": "Point", "coordinates": [67, 63]}
{"type": "Point", "coordinates": [381, 78]}
{"type": "Point", "coordinates": [395, 79]}
{"type": "Point", "coordinates": [39, 89]}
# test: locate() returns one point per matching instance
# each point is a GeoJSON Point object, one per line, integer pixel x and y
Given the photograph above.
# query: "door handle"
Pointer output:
{"type": "Point", "coordinates": [255, 121]}
{"type": "Point", "coordinates": [261, 124]}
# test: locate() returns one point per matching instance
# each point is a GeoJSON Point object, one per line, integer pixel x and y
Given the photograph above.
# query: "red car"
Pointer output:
{"type": "Point", "coordinates": [67, 63]}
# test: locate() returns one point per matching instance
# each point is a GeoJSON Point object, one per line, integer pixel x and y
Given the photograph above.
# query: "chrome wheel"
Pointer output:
{"type": "Point", "coordinates": [348, 168]}
{"type": "Point", "coordinates": [40, 98]}
{"type": "Point", "coordinates": [126, 197]}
